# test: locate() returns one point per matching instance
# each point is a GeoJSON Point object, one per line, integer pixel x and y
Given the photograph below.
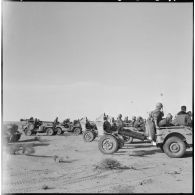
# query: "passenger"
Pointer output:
{"type": "Point", "coordinates": [190, 114]}
{"type": "Point", "coordinates": [166, 122]}
{"type": "Point", "coordinates": [36, 123]}
{"type": "Point", "coordinates": [189, 122]}
{"type": "Point", "coordinates": [133, 121]}
{"type": "Point", "coordinates": [56, 120]}
{"type": "Point", "coordinates": [126, 120]}
{"type": "Point", "coordinates": [119, 122]}
{"type": "Point", "coordinates": [139, 124]}
{"type": "Point", "coordinates": [182, 118]}
{"type": "Point", "coordinates": [107, 125]}
{"type": "Point", "coordinates": [31, 119]}
{"type": "Point", "coordinates": [183, 110]}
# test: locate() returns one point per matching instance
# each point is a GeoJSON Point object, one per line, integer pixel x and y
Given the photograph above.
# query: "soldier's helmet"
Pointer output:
{"type": "Point", "coordinates": [133, 117]}
{"type": "Point", "coordinates": [159, 105]}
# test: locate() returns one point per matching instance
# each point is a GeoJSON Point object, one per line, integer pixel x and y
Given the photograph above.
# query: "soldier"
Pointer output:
{"type": "Point", "coordinates": [55, 122]}
{"type": "Point", "coordinates": [166, 122]}
{"type": "Point", "coordinates": [152, 123]}
{"type": "Point", "coordinates": [183, 110]}
{"type": "Point", "coordinates": [182, 118]}
{"type": "Point", "coordinates": [133, 120]}
{"type": "Point", "coordinates": [31, 119]}
{"type": "Point", "coordinates": [139, 123]}
{"type": "Point", "coordinates": [107, 125]}
{"type": "Point", "coordinates": [157, 114]}
{"type": "Point", "coordinates": [119, 122]}
{"type": "Point", "coordinates": [126, 120]}
{"type": "Point", "coordinates": [36, 123]}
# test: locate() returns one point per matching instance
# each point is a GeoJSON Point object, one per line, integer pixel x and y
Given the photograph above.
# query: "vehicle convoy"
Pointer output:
{"type": "Point", "coordinates": [96, 128]}
{"type": "Point", "coordinates": [11, 133]}
{"type": "Point", "coordinates": [32, 127]}
{"type": "Point", "coordinates": [172, 140]}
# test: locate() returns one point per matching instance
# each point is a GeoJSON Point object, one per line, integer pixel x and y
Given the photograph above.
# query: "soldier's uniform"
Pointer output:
{"type": "Point", "coordinates": [183, 118]}
{"type": "Point", "coordinates": [153, 121]}
{"type": "Point", "coordinates": [133, 121]}
{"type": "Point", "coordinates": [119, 122]}
{"type": "Point", "coordinates": [166, 122]}
{"type": "Point", "coordinates": [107, 125]}
{"type": "Point", "coordinates": [139, 124]}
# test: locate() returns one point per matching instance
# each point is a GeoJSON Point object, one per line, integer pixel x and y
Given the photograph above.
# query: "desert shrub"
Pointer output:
{"type": "Point", "coordinates": [109, 164]}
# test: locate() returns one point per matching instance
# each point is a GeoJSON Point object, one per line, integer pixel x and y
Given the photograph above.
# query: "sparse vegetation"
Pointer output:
{"type": "Point", "coordinates": [109, 164]}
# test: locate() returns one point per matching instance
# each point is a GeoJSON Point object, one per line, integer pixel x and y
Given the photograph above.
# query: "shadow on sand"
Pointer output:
{"type": "Point", "coordinates": [140, 153]}
{"type": "Point", "coordinates": [188, 154]}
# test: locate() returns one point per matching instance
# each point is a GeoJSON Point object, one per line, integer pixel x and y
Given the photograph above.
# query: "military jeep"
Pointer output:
{"type": "Point", "coordinates": [48, 127]}
{"type": "Point", "coordinates": [172, 140]}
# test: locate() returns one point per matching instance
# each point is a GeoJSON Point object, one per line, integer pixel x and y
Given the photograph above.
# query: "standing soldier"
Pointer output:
{"type": "Point", "coordinates": [152, 123]}
{"type": "Point", "coordinates": [119, 122]}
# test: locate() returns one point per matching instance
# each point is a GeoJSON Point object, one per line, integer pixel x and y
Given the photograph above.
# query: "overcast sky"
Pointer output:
{"type": "Point", "coordinates": [82, 59]}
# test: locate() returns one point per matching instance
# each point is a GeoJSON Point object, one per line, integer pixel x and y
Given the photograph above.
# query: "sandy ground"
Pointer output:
{"type": "Point", "coordinates": [150, 170]}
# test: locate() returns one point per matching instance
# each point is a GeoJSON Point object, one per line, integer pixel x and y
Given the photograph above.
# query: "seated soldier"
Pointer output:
{"type": "Point", "coordinates": [166, 122]}
{"type": "Point", "coordinates": [31, 120]}
{"type": "Point", "coordinates": [183, 110]}
{"type": "Point", "coordinates": [139, 123]}
{"type": "Point", "coordinates": [36, 123]}
{"type": "Point", "coordinates": [133, 120]}
{"type": "Point", "coordinates": [182, 118]}
{"type": "Point", "coordinates": [189, 118]}
{"type": "Point", "coordinates": [107, 125]}
{"type": "Point", "coordinates": [126, 120]}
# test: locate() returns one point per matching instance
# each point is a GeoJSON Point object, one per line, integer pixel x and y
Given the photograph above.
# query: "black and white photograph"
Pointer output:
{"type": "Point", "coordinates": [97, 97]}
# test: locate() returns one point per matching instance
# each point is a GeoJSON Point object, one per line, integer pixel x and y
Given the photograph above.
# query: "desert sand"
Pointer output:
{"type": "Point", "coordinates": [67, 164]}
